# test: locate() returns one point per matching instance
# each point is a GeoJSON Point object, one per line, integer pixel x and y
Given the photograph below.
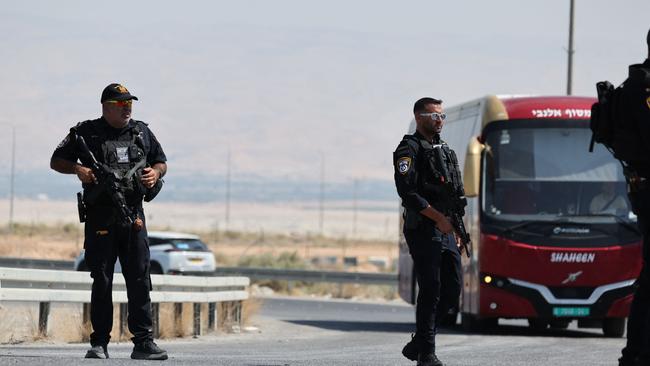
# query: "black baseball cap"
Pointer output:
{"type": "Point", "coordinates": [116, 92]}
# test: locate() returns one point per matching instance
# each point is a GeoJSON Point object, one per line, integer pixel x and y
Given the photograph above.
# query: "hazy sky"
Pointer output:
{"type": "Point", "coordinates": [280, 82]}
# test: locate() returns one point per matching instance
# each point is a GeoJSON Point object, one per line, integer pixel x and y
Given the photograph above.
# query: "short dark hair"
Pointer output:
{"type": "Point", "coordinates": [648, 42]}
{"type": "Point", "coordinates": [421, 104]}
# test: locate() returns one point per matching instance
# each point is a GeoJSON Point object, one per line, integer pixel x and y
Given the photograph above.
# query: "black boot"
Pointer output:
{"type": "Point", "coordinates": [148, 350]}
{"type": "Point", "coordinates": [410, 351]}
{"type": "Point", "coordinates": [429, 359]}
{"type": "Point", "coordinates": [98, 351]}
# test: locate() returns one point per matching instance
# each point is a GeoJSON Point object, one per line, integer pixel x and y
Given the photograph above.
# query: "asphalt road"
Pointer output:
{"type": "Point", "coordinates": [315, 332]}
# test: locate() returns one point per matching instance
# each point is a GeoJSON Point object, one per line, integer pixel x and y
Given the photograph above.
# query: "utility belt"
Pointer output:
{"type": "Point", "coordinates": [103, 210]}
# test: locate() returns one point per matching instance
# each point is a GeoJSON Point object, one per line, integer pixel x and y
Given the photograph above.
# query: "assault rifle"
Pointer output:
{"type": "Point", "coordinates": [454, 195]}
{"type": "Point", "coordinates": [109, 182]}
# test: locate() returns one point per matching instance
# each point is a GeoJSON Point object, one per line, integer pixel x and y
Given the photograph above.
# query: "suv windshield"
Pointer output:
{"type": "Point", "coordinates": [546, 173]}
{"type": "Point", "coordinates": [181, 244]}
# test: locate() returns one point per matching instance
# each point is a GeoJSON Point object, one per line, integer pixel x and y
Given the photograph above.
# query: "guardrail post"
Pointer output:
{"type": "Point", "coordinates": [43, 314]}
{"type": "Point", "coordinates": [238, 313]}
{"type": "Point", "coordinates": [212, 316]}
{"type": "Point", "coordinates": [197, 319]}
{"type": "Point", "coordinates": [124, 309]}
{"type": "Point", "coordinates": [85, 321]}
{"type": "Point", "coordinates": [155, 317]}
{"type": "Point", "coordinates": [178, 318]}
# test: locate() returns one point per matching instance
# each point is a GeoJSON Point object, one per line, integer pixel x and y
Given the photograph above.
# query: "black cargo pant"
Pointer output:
{"type": "Point", "coordinates": [638, 324]}
{"type": "Point", "coordinates": [438, 272]}
{"type": "Point", "coordinates": [105, 241]}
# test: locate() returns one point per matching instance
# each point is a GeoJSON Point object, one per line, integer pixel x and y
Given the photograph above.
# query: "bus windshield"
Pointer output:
{"type": "Point", "coordinates": [544, 173]}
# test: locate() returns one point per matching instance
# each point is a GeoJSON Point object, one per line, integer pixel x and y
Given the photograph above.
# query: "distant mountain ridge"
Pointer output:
{"type": "Point", "coordinates": [210, 188]}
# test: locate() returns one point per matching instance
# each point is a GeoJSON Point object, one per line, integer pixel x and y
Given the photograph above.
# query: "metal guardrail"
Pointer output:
{"type": "Point", "coordinates": [36, 263]}
{"type": "Point", "coordinates": [46, 286]}
{"type": "Point", "coordinates": [365, 278]}
{"type": "Point", "coordinates": [255, 273]}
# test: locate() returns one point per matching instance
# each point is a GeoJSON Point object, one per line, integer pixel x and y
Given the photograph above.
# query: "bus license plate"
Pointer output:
{"type": "Point", "coordinates": [571, 311]}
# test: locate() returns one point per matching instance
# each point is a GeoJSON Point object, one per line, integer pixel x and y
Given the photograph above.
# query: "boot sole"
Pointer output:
{"type": "Point", "coordinates": [90, 354]}
{"type": "Point", "coordinates": [149, 356]}
{"type": "Point", "coordinates": [410, 356]}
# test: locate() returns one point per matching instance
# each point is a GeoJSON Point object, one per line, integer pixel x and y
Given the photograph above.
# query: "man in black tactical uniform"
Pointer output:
{"type": "Point", "coordinates": [128, 150]}
{"type": "Point", "coordinates": [427, 228]}
{"type": "Point", "coordinates": [635, 108]}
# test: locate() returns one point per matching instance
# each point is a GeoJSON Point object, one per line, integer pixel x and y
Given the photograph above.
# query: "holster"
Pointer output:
{"type": "Point", "coordinates": [81, 207]}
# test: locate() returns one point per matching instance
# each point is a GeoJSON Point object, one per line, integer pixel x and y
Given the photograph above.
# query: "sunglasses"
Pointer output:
{"type": "Point", "coordinates": [435, 116]}
{"type": "Point", "coordinates": [121, 103]}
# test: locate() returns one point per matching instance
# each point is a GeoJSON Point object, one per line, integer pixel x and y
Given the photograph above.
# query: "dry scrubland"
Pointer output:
{"type": "Point", "coordinates": [237, 249]}
{"type": "Point", "coordinates": [19, 322]}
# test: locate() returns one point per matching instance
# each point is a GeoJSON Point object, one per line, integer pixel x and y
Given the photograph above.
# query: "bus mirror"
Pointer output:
{"type": "Point", "coordinates": [472, 168]}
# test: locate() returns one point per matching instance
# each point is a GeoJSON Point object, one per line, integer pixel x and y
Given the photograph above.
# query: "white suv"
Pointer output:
{"type": "Point", "coordinates": [171, 253]}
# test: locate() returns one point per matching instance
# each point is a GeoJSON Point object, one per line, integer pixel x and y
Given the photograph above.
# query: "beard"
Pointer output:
{"type": "Point", "coordinates": [431, 128]}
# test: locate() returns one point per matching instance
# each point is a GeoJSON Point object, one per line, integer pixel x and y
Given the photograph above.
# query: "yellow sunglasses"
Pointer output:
{"type": "Point", "coordinates": [121, 103]}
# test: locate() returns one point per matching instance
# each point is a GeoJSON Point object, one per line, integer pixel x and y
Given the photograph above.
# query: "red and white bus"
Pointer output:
{"type": "Point", "coordinates": [553, 235]}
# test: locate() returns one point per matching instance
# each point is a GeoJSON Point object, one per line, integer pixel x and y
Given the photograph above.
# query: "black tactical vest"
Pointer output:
{"type": "Point", "coordinates": [125, 157]}
{"type": "Point", "coordinates": [438, 177]}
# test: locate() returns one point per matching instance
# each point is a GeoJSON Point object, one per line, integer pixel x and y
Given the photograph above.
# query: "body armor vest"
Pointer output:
{"type": "Point", "coordinates": [439, 179]}
{"type": "Point", "coordinates": [125, 157]}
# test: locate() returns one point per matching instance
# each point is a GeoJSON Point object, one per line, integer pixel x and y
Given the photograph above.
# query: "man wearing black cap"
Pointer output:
{"type": "Point", "coordinates": [115, 227]}
{"type": "Point", "coordinates": [427, 229]}
{"type": "Point", "coordinates": [635, 101]}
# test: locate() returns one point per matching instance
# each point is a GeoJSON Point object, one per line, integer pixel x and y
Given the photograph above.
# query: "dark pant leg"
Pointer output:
{"type": "Point", "coordinates": [425, 247]}
{"type": "Point", "coordinates": [100, 256]}
{"type": "Point", "coordinates": [638, 323]}
{"type": "Point", "coordinates": [134, 258]}
{"type": "Point", "coordinates": [450, 279]}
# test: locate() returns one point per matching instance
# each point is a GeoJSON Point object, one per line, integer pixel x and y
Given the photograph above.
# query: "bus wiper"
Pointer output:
{"type": "Point", "coordinates": [619, 220]}
{"type": "Point", "coordinates": [509, 229]}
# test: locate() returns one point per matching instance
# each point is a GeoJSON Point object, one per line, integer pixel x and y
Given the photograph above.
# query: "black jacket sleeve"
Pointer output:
{"type": "Point", "coordinates": [66, 149]}
{"type": "Point", "coordinates": [155, 153]}
{"type": "Point", "coordinates": [406, 177]}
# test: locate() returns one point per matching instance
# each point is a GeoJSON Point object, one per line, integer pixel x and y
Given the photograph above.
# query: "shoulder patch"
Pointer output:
{"type": "Point", "coordinates": [404, 164]}
{"type": "Point", "coordinates": [647, 101]}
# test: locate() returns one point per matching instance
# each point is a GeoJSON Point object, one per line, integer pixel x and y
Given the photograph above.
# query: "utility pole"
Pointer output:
{"type": "Point", "coordinates": [12, 179]}
{"type": "Point", "coordinates": [354, 208]}
{"type": "Point", "coordinates": [321, 205]}
{"type": "Point", "coordinates": [570, 51]}
{"type": "Point", "coordinates": [228, 167]}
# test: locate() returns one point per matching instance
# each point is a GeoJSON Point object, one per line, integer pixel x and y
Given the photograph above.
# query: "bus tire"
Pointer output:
{"type": "Point", "coordinates": [471, 323]}
{"type": "Point", "coordinates": [449, 320]}
{"type": "Point", "coordinates": [537, 324]}
{"type": "Point", "coordinates": [614, 327]}
{"type": "Point", "coordinates": [559, 323]}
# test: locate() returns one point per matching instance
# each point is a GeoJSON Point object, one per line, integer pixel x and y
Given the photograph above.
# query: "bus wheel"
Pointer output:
{"type": "Point", "coordinates": [449, 319]}
{"type": "Point", "coordinates": [471, 323]}
{"type": "Point", "coordinates": [614, 327]}
{"type": "Point", "coordinates": [537, 324]}
{"type": "Point", "coordinates": [559, 324]}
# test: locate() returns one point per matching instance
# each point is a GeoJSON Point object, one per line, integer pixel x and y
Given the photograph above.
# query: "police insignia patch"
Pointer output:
{"type": "Point", "coordinates": [647, 101]}
{"type": "Point", "coordinates": [404, 164]}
